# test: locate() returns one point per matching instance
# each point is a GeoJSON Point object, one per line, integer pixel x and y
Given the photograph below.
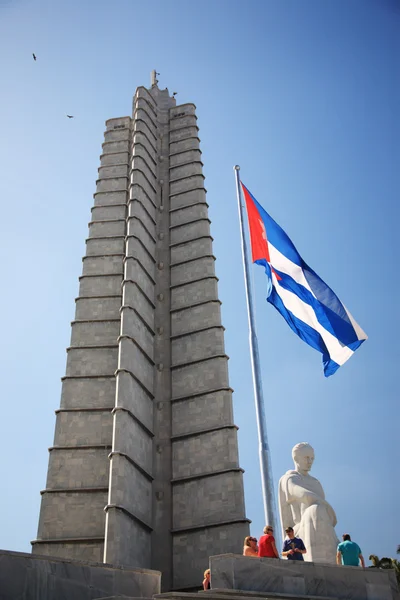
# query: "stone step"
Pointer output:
{"type": "Point", "coordinates": [121, 598]}
{"type": "Point", "coordinates": [224, 594]}
{"type": "Point", "coordinates": [240, 595]}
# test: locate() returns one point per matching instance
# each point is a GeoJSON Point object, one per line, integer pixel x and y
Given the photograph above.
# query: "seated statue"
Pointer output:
{"type": "Point", "coordinates": [303, 506]}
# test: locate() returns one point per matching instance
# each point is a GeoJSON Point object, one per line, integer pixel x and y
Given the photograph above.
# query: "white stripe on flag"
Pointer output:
{"type": "Point", "coordinates": [305, 313]}
{"type": "Point", "coordinates": [359, 332]}
{"type": "Point", "coordinates": [283, 264]}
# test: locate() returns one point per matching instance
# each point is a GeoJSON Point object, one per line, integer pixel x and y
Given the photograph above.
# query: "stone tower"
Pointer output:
{"type": "Point", "coordinates": [144, 468]}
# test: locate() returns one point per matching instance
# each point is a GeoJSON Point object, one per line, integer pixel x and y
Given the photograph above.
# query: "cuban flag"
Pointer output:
{"type": "Point", "coordinates": [308, 305]}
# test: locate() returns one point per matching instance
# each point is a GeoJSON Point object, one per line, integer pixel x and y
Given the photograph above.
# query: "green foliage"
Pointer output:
{"type": "Point", "coordinates": [386, 563]}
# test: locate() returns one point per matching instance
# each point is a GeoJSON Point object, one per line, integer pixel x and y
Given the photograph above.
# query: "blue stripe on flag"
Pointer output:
{"type": "Point", "coordinates": [325, 294]}
{"type": "Point", "coordinates": [305, 332]}
{"type": "Point", "coordinates": [267, 267]}
{"type": "Point", "coordinates": [340, 328]}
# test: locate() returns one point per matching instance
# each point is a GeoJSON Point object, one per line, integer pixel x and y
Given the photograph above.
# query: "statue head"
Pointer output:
{"type": "Point", "coordinates": [303, 456]}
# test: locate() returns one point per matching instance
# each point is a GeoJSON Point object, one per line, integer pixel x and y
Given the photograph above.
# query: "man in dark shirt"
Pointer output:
{"type": "Point", "coordinates": [293, 547]}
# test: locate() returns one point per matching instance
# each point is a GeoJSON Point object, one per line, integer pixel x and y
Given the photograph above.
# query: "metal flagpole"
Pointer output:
{"type": "Point", "coordinates": [265, 460]}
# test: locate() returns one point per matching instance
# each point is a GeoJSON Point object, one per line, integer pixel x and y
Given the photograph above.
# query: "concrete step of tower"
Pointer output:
{"type": "Point", "coordinates": [222, 594]}
{"type": "Point", "coordinates": [121, 598]}
{"type": "Point", "coordinates": [241, 594]}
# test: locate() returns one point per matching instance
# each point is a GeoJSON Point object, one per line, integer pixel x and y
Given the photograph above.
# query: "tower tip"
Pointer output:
{"type": "Point", "coordinates": [154, 79]}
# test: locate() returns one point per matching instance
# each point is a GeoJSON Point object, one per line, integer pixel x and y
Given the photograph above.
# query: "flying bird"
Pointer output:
{"type": "Point", "coordinates": [174, 93]}
{"type": "Point", "coordinates": [70, 116]}
{"type": "Point", "coordinates": [34, 56]}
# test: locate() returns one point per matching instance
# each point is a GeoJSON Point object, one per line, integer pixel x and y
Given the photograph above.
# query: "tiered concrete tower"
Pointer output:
{"type": "Point", "coordinates": [144, 468]}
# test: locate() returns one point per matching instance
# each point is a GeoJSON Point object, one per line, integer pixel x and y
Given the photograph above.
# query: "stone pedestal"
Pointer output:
{"type": "Point", "coordinates": [300, 579]}
{"type": "Point", "coordinates": [29, 577]}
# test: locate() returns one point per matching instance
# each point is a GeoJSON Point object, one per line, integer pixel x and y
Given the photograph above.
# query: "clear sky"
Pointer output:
{"type": "Point", "coordinates": [305, 97]}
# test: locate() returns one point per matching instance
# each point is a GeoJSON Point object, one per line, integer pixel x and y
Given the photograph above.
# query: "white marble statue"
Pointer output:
{"type": "Point", "coordinates": [303, 506]}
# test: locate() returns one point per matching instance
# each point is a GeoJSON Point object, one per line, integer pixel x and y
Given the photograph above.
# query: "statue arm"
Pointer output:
{"type": "Point", "coordinates": [331, 513]}
{"type": "Point", "coordinates": [308, 497]}
{"type": "Point", "coordinates": [284, 507]}
{"type": "Point", "coordinates": [305, 496]}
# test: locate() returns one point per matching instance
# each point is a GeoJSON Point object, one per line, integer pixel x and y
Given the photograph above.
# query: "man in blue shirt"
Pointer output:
{"type": "Point", "coordinates": [293, 547]}
{"type": "Point", "coordinates": [349, 553]}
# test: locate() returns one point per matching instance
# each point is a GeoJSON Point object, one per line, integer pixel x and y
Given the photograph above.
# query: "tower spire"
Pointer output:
{"type": "Point", "coordinates": [154, 79]}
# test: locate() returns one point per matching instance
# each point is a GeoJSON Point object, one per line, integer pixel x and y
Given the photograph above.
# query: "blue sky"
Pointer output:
{"type": "Point", "coordinates": [305, 97]}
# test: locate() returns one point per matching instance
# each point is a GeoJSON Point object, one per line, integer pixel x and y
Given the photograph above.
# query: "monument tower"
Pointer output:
{"type": "Point", "coordinates": [144, 468]}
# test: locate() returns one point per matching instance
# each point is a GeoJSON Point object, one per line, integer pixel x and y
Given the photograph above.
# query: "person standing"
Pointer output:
{"type": "Point", "coordinates": [293, 547]}
{"type": "Point", "coordinates": [349, 553]}
{"type": "Point", "coordinates": [266, 544]}
{"type": "Point", "coordinates": [250, 547]}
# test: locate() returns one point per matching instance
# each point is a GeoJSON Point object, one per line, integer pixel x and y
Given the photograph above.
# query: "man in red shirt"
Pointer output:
{"type": "Point", "coordinates": [266, 544]}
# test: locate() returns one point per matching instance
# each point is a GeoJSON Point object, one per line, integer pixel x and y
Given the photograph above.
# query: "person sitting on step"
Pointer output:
{"type": "Point", "coordinates": [207, 580]}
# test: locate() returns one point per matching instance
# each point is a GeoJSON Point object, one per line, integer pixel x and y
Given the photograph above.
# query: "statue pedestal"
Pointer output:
{"type": "Point", "coordinates": [300, 579]}
{"type": "Point", "coordinates": [36, 577]}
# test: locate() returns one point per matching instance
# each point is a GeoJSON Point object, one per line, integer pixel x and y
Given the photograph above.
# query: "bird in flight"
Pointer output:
{"type": "Point", "coordinates": [175, 93]}
{"type": "Point", "coordinates": [70, 116]}
{"type": "Point", "coordinates": [34, 56]}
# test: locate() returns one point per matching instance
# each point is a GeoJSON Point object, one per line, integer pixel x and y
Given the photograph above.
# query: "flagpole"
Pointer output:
{"type": "Point", "coordinates": [265, 459]}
